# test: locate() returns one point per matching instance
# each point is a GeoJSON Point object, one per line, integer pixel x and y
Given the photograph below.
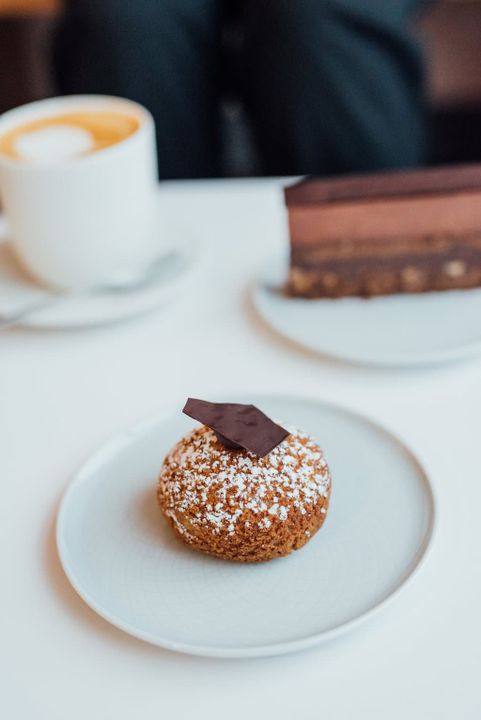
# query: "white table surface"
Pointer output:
{"type": "Point", "coordinates": [62, 394]}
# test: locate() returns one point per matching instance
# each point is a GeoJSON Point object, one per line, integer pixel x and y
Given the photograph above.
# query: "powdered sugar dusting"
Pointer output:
{"type": "Point", "coordinates": [221, 490]}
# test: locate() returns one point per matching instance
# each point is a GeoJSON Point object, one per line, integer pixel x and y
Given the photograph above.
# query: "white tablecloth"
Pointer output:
{"type": "Point", "coordinates": [62, 394]}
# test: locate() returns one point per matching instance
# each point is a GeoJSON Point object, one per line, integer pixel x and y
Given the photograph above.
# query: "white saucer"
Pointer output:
{"type": "Point", "coordinates": [124, 561]}
{"type": "Point", "coordinates": [394, 330]}
{"type": "Point", "coordinates": [18, 291]}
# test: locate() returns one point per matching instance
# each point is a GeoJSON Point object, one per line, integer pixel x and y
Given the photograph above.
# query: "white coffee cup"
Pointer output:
{"type": "Point", "coordinates": [82, 221]}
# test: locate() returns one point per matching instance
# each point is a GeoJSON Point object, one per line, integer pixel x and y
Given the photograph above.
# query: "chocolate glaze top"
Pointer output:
{"type": "Point", "coordinates": [399, 183]}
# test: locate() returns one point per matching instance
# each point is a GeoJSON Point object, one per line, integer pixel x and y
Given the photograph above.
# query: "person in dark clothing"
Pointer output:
{"type": "Point", "coordinates": [331, 86]}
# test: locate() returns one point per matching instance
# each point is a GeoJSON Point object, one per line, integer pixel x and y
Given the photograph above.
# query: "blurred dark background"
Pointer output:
{"type": "Point", "coordinates": [450, 31]}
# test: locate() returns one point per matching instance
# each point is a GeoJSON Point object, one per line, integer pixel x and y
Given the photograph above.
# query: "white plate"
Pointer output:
{"type": "Point", "coordinates": [18, 291]}
{"type": "Point", "coordinates": [394, 330]}
{"type": "Point", "coordinates": [124, 561]}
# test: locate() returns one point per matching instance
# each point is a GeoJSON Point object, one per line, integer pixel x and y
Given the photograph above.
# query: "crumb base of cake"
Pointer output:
{"type": "Point", "coordinates": [384, 266]}
{"type": "Point", "coordinates": [360, 280]}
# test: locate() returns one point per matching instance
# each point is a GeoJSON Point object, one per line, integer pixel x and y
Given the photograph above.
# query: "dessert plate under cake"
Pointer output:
{"type": "Point", "coordinates": [123, 559]}
{"type": "Point", "coordinates": [392, 330]}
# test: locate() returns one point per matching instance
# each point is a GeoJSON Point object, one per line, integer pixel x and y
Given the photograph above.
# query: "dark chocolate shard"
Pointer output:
{"type": "Point", "coordinates": [238, 426]}
{"type": "Point", "coordinates": [228, 443]}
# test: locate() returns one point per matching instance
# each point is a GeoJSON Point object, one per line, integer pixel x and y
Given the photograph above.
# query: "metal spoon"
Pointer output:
{"type": "Point", "coordinates": [170, 264]}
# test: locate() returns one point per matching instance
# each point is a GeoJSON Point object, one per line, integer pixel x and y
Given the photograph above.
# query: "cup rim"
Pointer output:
{"type": "Point", "coordinates": [52, 106]}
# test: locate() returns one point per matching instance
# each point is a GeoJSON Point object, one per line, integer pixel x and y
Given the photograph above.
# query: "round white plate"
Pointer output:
{"type": "Point", "coordinates": [124, 561]}
{"type": "Point", "coordinates": [395, 330]}
{"type": "Point", "coordinates": [17, 291]}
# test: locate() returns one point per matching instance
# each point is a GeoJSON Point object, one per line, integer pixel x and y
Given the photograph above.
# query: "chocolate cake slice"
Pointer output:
{"type": "Point", "coordinates": [384, 233]}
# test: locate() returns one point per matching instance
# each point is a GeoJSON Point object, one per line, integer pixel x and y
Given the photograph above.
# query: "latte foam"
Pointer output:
{"type": "Point", "coordinates": [66, 136]}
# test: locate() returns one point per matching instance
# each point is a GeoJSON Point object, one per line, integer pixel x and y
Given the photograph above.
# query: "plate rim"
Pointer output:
{"type": "Point", "coordinates": [258, 291]}
{"type": "Point", "coordinates": [130, 434]}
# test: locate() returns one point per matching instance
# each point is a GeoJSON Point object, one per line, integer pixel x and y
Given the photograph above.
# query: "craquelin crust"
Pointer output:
{"type": "Point", "coordinates": [234, 505]}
